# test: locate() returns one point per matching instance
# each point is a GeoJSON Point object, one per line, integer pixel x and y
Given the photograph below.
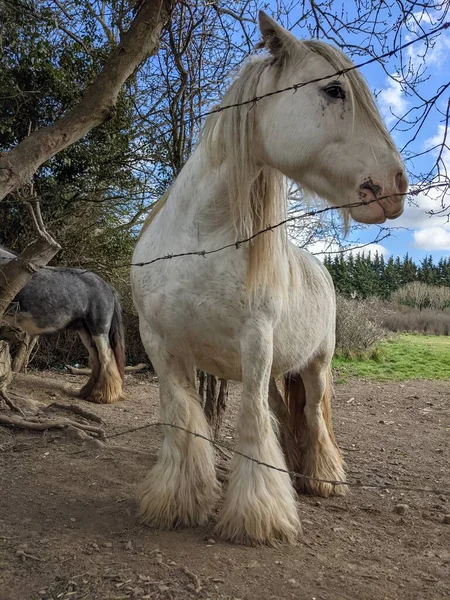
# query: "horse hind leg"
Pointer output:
{"type": "Point", "coordinates": [260, 506]}
{"type": "Point", "coordinates": [94, 362]}
{"type": "Point", "coordinates": [108, 387]}
{"type": "Point", "coordinates": [309, 400]}
{"type": "Point", "coordinates": [181, 488]}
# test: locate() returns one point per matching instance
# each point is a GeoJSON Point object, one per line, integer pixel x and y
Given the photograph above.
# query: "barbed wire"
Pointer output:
{"type": "Point", "coordinates": [238, 243]}
{"type": "Point", "coordinates": [312, 213]}
{"type": "Point", "coordinates": [296, 86]}
{"type": "Point", "coordinates": [269, 228]}
{"type": "Point", "coordinates": [293, 474]}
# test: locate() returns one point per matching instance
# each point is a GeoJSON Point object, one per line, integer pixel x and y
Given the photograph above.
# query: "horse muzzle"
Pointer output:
{"type": "Point", "coordinates": [390, 198]}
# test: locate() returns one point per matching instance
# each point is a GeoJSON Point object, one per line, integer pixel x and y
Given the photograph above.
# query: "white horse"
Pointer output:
{"type": "Point", "coordinates": [264, 310]}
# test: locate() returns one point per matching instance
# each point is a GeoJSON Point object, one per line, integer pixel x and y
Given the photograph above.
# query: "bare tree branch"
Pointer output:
{"type": "Point", "coordinates": [97, 105]}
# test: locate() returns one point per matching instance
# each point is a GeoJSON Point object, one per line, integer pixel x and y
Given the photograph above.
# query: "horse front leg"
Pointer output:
{"type": "Point", "coordinates": [260, 506]}
{"type": "Point", "coordinates": [181, 488]}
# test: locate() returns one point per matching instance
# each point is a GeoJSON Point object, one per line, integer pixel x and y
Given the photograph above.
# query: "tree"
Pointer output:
{"type": "Point", "coordinates": [97, 191]}
{"type": "Point", "coordinates": [409, 270]}
{"type": "Point", "coordinates": [19, 163]}
{"type": "Point", "coordinates": [96, 106]}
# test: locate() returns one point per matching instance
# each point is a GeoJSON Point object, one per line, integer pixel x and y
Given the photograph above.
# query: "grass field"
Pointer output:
{"type": "Point", "coordinates": [403, 357]}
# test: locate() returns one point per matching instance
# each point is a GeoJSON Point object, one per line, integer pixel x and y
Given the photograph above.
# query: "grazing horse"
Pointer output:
{"type": "Point", "coordinates": [60, 298]}
{"type": "Point", "coordinates": [257, 311]}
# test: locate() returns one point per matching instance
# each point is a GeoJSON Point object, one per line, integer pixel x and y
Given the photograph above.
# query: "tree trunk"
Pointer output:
{"type": "Point", "coordinates": [22, 357]}
{"type": "Point", "coordinates": [214, 402]}
{"type": "Point", "coordinates": [18, 271]}
{"type": "Point", "coordinates": [5, 366]}
{"type": "Point", "coordinates": [96, 106]}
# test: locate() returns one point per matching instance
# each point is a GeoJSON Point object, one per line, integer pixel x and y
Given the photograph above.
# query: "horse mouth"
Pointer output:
{"type": "Point", "coordinates": [397, 214]}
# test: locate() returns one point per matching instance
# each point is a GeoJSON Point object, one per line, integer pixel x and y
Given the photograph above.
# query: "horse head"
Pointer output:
{"type": "Point", "coordinates": [329, 135]}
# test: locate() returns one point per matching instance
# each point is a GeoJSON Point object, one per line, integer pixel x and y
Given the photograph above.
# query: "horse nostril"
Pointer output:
{"type": "Point", "coordinates": [401, 183]}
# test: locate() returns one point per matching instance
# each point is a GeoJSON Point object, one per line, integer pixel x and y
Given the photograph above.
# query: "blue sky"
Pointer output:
{"type": "Point", "coordinates": [424, 234]}
{"type": "Point", "coordinates": [420, 234]}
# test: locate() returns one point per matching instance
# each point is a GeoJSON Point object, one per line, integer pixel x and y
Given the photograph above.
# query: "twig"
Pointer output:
{"type": "Point", "coordinates": [193, 577]}
{"type": "Point", "coordinates": [24, 555]}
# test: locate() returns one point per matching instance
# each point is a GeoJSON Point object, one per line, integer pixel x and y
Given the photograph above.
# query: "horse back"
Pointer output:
{"type": "Point", "coordinates": [59, 298]}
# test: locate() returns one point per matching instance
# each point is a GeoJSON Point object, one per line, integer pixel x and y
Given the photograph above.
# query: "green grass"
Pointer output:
{"type": "Point", "coordinates": [403, 357]}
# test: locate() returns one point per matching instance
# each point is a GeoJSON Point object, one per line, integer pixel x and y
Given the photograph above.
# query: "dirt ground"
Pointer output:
{"type": "Point", "coordinates": [69, 529]}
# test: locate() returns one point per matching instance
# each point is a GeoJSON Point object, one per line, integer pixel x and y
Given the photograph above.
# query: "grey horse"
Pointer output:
{"type": "Point", "coordinates": [62, 298]}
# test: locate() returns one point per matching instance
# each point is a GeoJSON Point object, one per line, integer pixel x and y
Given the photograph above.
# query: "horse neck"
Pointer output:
{"type": "Point", "coordinates": [244, 205]}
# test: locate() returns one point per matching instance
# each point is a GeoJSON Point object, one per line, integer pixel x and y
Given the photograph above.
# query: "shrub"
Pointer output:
{"type": "Point", "coordinates": [421, 295]}
{"type": "Point", "coordinates": [358, 331]}
{"type": "Point", "coordinates": [413, 320]}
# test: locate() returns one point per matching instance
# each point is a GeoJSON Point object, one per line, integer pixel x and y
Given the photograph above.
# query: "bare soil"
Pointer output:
{"type": "Point", "coordinates": [69, 529]}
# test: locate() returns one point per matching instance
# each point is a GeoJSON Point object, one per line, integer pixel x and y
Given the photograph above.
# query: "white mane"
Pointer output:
{"type": "Point", "coordinates": [256, 193]}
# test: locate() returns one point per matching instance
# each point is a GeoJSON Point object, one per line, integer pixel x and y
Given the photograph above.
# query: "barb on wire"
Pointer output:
{"type": "Point", "coordinates": [293, 474]}
{"type": "Point", "coordinates": [312, 213]}
{"type": "Point", "coordinates": [300, 84]}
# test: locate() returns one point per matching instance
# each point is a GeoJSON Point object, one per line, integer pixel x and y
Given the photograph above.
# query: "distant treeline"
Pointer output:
{"type": "Point", "coordinates": [365, 275]}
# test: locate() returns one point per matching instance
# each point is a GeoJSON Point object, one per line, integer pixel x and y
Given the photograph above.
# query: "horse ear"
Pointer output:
{"type": "Point", "coordinates": [275, 38]}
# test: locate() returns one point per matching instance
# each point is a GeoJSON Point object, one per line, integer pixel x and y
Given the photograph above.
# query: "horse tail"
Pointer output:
{"type": "Point", "coordinates": [117, 338]}
{"type": "Point", "coordinates": [295, 398]}
{"type": "Point", "coordinates": [326, 403]}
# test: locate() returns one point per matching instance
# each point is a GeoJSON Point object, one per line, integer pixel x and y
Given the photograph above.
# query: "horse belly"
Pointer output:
{"type": "Point", "coordinates": [26, 322]}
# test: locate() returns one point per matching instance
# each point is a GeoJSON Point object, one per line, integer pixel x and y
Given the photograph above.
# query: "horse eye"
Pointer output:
{"type": "Point", "coordinates": [335, 91]}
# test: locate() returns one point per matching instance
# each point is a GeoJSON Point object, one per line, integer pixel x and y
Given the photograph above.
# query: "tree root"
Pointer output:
{"type": "Point", "coordinates": [9, 402]}
{"type": "Point", "coordinates": [78, 410]}
{"type": "Point", "coordinates": [61, 423]}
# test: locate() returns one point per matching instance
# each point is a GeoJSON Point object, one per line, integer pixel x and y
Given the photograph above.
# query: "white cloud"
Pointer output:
{"type": "Point", "coordinates": [438, 54]}
{"type": "Point", "coordinates": [372, 248]}
{"type": "Point", "coordinates": [418, 18]}
{"type": "Point", "coordinates": [436, 142]}
{"type": "Point", "coordinates": [392, 100]}
{"type": "Point", "coordinates": [416, 214]}
{"type": "Point", "coordinates": [432, 238]}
